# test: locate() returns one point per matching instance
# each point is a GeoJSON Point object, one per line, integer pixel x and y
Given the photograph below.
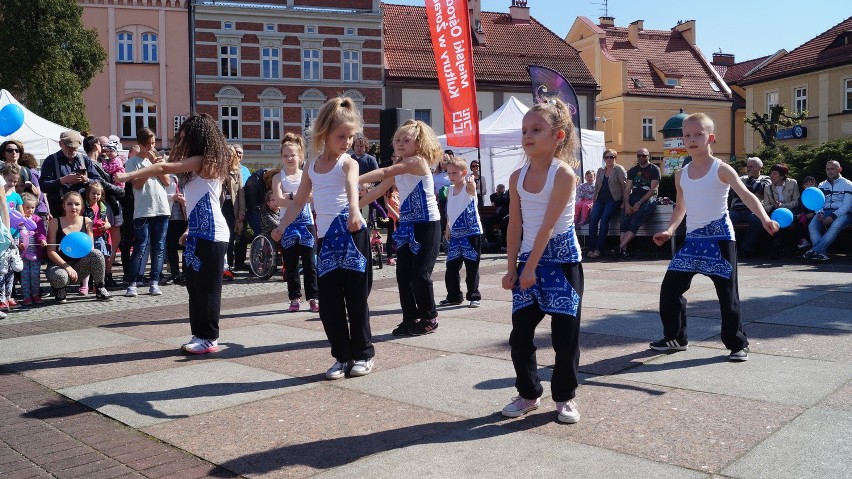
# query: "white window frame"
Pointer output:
{"type": "Point", "coordinates": [648, 128]}
{"type": "Point", "coordinates": [230, 98]}
{"type": "Point", "coordinates": [150, 48]}
{"type": "Point", "coordinates": [350, 31]}
{"type": "Point", "coordinates": [800, 98]}
{"type": "Point", "coordinates": [270, 120]}
{"type": "Point", "coordinates": [771, 98]}
{"type": "Point", "coordinates": [270, 62]}
{"type": "Point", "coordinates": [232, 55]}
{"type": "Point", "coordinates": [311, 64]}
{"type": "Point", "coordinates": [847, 94]}
{"type": "Point", "coordinates": [146, 118]}
{"type": "Point", "coordinates": [227, 25]}
{"type": "Point", "coordinates": [124, 44]}
{"type": "Point", "coordinates": [311, 29]}
{"type": "Point", "coordinates": [350, 65]}
{"type": "Point", "coordinates": [270, 27]}
{"type": "Point", "coordinates": [271, 116]}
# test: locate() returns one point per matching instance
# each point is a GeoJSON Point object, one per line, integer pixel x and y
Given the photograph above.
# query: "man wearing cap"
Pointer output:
{"type": "Point", "coordinates": [66, 170]}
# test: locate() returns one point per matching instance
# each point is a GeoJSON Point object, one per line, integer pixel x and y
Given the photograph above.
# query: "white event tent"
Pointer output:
{"type": "Point", "coordinates": [39, 136]}
{"type": "Point", "coordinates": [500, 149]}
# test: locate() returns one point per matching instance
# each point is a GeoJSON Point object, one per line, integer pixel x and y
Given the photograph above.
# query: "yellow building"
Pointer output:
{"type": "Point", "coordinates": [815, 77]}
{"type": "Point", "coordinates": [646, 77]}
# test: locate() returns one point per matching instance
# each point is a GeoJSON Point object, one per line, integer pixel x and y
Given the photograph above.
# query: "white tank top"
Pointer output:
{"type": "Point", "coordinates": [329, 194]}
{"type": "Point", "coordinates": [533, 206]}
{"type": "Point", "coordinates": [289, 186]}
{"type": "Point", "coordinates": [406, 183]}
{"type": "Point", "coordinates": [457, 204]}
{"type": "Point", "coordinates": [706, 198]}
{"type": "Point", "coordinates": [207, 214]}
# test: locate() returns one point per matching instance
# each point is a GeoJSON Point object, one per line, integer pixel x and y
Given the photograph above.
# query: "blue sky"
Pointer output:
{"type": "Point", "coordinates": [747, 29]}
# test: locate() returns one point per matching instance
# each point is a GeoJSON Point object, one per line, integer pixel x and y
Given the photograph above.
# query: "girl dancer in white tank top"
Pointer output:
{"type": "Point", "coordinates": [299, 238]}
{"type": "Point", "coordinates": [201, 155]}
{"type": "Point", "coordinates": [544, 270]}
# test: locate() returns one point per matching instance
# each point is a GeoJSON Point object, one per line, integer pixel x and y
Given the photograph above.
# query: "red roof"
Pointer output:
{"type": "Point", "coordinates": [831, 48]}
{"type": "Point", "coordinates": [732, 74]}
{"type": "Point", "coordinates": [508, 49]}
{"type": "Point", "coordinates": [669, 52]}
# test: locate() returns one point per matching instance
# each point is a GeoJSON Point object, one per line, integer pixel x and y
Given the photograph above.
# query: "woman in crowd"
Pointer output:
{"type": "Point", "coordinates": [609, 190]}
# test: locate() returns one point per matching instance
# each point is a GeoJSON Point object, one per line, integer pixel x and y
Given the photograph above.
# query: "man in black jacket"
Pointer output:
{"type": "Point", "coordinates": [66, 170]}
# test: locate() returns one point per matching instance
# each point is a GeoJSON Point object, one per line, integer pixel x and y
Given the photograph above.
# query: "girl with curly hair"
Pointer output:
{"type": "Point", "coordinates": [201, 157]}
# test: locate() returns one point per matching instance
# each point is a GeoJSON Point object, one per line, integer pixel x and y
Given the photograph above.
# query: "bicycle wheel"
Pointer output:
{"type": "Point", "coordinates": [263, 257]}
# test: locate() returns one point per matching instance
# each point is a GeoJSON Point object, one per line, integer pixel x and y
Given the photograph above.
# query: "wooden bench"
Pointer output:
{"type": "Point", "coordinates": [658, 221]}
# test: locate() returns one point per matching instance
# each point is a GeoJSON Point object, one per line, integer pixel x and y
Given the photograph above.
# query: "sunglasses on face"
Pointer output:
{"type": "Point", "coordinates": [609, 157]}
{"type": "Point", "coordinates": [12, 150]}
{"type": "Point", "coordinates": [641, 156]}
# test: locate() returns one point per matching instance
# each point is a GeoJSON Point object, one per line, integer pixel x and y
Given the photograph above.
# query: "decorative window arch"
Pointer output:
{"type": "Point", "coordinates": [312, 99]}
{"type": "Point", "coordinates": [357, 97]}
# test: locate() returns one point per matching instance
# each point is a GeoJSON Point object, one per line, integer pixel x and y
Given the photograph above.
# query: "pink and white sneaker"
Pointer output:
{"type": "Point", "coordinates": [294, 305]}
{"type": "Point", "coordinates": [201, 346]}
{"type": "Point", "coordinates": [314, 305]}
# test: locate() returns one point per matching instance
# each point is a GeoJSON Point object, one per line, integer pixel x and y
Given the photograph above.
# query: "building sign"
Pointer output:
{"type": "Point", "coordinates": [795, 133]}
{"type": "Point", "coordinates": [673, 154]}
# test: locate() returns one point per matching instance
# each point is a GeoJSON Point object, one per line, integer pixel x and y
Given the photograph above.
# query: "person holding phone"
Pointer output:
{"type": "Point", "coordinates": [66, 170]}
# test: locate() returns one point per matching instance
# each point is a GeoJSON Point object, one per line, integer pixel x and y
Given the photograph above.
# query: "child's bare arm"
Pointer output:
{"type": "Point", "coordinates": [729, 176]}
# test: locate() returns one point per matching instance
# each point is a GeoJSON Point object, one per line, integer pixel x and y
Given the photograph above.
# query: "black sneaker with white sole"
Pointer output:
{"type": "Point", "coordinates": [403, 329]}
{"type": "Point", "coordinates": [670, 345]}
{"type": "Point", "coordinates": [447, 302]}
{"type": "Point", "coordinates": [423, 327]}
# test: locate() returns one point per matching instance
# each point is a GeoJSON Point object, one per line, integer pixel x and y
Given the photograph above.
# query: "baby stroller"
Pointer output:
{"type": "Point", "coordinates": [264, 256]}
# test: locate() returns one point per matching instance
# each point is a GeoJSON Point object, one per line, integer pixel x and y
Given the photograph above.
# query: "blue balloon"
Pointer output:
{"type": "Point", "coordinates": [783, 217]}
{"type": "Point", "coordinates": [813, 198]}
{"type": "Point", "coordinates": [11, 119]}
{"type": "Point", "coordinates": [76, 244]}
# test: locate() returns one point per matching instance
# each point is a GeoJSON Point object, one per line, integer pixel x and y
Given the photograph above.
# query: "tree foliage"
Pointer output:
{"type": "Point", "coordinates": [48, 58]}
{"type": "Point", "coordinates": [768, 124]}
{"type": "Point", "coordinates": [807, 159]}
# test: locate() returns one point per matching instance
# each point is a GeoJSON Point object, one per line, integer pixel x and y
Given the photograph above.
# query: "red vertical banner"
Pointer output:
{"type": "Point", "coordinates": [451, 41]}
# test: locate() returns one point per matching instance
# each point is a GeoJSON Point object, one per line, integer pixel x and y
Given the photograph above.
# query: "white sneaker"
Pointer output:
{"type": "Point", "coordinates": [3, 315]}
{"type": "Point", "coordinates": [201, 346]}
{"type": "Point", "coordinates": [520, 406]}
{"type": "Point", "coordinates": [336, 371]}
{"type": "Point", "coordinates": [567, 412]}
{"type": "Point", "coordinates": [131, 292]}
{"type": "Point", "coordinates": [475, 303]}
{"type": "Point", "coordinates": [154, 290]}
{"type": "Point", "coordinates": [362, 367]}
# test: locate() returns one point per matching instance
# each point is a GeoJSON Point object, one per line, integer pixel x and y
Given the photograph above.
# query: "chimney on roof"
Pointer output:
{"type": "Point", "coordinates": [687, 29]}
{"type": "Point", "coordinates": [606, 22]}
{"type": "Point", "coordinates": [723, 59]}
{"type": "Point", "coordinates": [475, 14]}
{"type": "Point", "coordinates": [519, 12]}
{"type": "Point", "coordinates": [633, 32]}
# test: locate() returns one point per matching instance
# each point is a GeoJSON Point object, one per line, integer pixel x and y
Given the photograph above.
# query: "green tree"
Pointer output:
{"type": "Point", "coordinates": [768, 124]}
{"type": "Point", "coordinates": [48, 58]}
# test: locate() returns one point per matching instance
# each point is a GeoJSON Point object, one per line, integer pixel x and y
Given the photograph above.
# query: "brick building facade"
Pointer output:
{"type": "Point", "coordinates": [264, 68]}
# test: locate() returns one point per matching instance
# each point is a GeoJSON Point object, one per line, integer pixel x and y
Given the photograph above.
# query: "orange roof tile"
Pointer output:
{"type": "Point", "coordinates": [735, 72]}
{"type": "Point", "coordinates": [671, 54]}
{"type": "Point", "coordinates": [509, 48]}
{"type": "Point", "coordinates": [831, 48]}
